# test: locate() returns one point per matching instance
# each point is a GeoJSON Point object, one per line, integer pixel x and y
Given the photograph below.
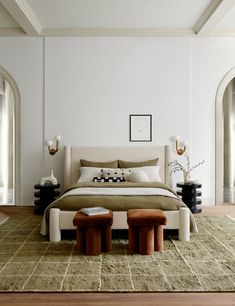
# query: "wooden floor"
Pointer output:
{"type": "Point", "coordinates": [119, 299]}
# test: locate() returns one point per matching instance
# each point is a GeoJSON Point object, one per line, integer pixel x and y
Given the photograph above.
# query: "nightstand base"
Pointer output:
{"type": "Point", "coordinates": [189, 195]}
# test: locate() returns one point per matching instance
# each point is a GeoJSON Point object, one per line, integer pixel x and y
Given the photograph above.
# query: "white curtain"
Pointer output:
{"type": "Point", "coordinates": [229, 135]}
{"type": "Point", "coordinates": [6, 135]}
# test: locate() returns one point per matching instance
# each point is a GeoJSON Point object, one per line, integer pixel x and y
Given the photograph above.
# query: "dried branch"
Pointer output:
{"type": "Point", "coordinates": [176, 166]}
{"type": "Point", "coordinates": [197, 165]}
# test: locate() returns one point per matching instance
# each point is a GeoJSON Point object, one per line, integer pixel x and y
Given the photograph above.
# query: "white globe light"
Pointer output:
{"type": "Point", "coordinates": [58, 137]}
{"type": "Point", "coordinates": [49, 143]}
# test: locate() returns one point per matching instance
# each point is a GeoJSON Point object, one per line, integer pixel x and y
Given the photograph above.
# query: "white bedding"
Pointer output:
{"type": "Point", "coordinates": [119, 191]}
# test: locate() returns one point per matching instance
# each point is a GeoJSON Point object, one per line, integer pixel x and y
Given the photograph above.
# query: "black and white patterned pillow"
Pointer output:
{"type": "Point", "coordinates": [115, 173]}
{"type": "Point", "coordinates": [101, 179]}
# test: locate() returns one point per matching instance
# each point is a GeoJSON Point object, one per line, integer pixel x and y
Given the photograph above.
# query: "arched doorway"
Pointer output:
{"type": "Point", "coordinates": [10, 139]}
{"type": "Point", "coordinates": [219, 137]}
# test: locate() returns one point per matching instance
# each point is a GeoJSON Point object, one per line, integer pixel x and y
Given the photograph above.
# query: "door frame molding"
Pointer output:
{"type": "Point", "coordinates": [17, 152]}
{"type": "Point", "coordinates": [219, 136]}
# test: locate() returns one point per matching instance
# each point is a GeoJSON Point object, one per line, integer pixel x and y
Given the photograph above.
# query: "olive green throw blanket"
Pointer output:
{"type": "Point", "coordinates": [30, 263]}
{"type": "Point", "coordinates": [118, 202]}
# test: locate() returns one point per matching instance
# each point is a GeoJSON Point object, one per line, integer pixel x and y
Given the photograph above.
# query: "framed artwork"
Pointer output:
{"type": "Point", "coordinates": [140, 128]}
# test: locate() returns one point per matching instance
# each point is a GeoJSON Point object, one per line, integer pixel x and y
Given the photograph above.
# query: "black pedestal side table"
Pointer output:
{"type": "Point", "coordinates": [47, 194]}
{"type": "Point", "coordinates": [189, 194]}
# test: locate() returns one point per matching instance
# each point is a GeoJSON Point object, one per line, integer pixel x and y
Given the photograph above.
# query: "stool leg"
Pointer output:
{"type": "Point", "coordinates": [146, 240]}
{"type": "Point", "coordinates": [106, 239]}
{"type": "Point", "coordinates": [81, 239]}
{"type": "Point", "coordinates": [93, 241]}
{"type": "Point", "coordinates": [133, 238]}
{"type": "Point", "coordinates": [159, 241]}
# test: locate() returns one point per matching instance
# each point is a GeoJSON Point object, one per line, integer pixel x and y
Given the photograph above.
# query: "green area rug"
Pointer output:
{"type": "Point", "coordinates": [28, 262]}
{"type": "Point", "coordinates": [3, 218]}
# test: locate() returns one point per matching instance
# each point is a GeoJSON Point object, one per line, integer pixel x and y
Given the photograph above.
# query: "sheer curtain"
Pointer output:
{"type": "Point", "coordinates": [6, 135]}
{"type": "Point", "coordinates": [229, 135]}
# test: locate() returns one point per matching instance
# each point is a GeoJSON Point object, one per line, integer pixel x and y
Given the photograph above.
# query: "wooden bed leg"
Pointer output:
{"type": "Point", "coordinates": [54, 225]}
{"type": "Point", "coordinates": [184, 224]}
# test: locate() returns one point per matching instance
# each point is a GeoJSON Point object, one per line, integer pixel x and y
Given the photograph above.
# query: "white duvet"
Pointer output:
{"type": "Point", "coordinates": [119, 191]}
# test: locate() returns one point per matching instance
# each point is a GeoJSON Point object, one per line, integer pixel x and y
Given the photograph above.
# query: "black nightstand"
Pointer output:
{"type": "Point", "coordinates": [46, 194]}
{"type": "Point", "coordinates": [189, 196]}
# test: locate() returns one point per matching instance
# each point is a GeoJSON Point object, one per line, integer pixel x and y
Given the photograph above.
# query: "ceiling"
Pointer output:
{"type": "Point", "coordinates": [117, 17]}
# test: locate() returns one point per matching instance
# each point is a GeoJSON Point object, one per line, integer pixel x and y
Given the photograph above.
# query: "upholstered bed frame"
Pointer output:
{"type": "Point", "coordinates": [60, 220]}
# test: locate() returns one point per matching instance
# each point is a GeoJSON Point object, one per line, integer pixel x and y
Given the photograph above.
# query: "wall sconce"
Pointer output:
{"type": "Point", "coordinates": [180, 145]}
{"type": "Point", "coordinates": [51, 150]}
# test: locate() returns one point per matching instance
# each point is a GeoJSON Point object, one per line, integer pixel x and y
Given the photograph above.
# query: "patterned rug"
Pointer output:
{"type": "Point", "coordinates": [28, 262]}
{"type": "Point", "coordinates": [3, 218]}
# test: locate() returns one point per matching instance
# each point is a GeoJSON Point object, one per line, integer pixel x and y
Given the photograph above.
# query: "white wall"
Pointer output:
{"type": "Point", "coordinates": [211, 60]}
{"type": "Point", "coordinates": [92, 84]}
{"type": "Point", "coordinates": [22, 58]}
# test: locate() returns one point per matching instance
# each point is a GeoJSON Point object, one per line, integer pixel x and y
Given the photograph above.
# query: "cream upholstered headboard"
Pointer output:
{"type": "Point", "coordinates": [74, 154]}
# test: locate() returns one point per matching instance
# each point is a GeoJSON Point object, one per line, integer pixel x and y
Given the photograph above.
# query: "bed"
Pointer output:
{"type": "Point", "coordinates": [62, 219]}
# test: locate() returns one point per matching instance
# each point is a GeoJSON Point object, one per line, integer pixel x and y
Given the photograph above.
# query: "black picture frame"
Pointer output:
{"type": "Point", "coordinates": [140, 128]}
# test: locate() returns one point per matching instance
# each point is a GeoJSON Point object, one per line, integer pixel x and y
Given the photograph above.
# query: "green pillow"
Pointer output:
{"type": "Point", "coordinates": [94, 164]}
{"type": "Point", "coordinates": [128, 164]}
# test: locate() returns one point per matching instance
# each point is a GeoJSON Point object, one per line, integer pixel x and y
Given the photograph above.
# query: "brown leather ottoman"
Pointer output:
{"type": "Point", "coordinates": [146, 230]}
{"type": "Point", "coordinates": [93, 233]}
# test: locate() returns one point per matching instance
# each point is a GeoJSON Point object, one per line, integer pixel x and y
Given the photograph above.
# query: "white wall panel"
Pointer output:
{"type": "Point", "coordinates": [22, 58]}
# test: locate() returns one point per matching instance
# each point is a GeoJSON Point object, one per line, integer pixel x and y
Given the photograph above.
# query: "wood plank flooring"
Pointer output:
{"type": "Point", "coordinates": [119, 299]}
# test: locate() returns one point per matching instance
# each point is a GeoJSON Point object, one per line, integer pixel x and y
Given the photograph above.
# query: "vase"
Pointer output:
{"type": "Point", "coordinates": [49, 179]}
{"type": "Point", "coordinates": [53, 179]}
{"type": "Point", "coordinates": [186, 177]}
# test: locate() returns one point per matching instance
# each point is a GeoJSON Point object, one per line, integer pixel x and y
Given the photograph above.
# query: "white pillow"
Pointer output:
{"type": "Point", "coordinates": [138, 176]}
{"type": "Point", "coordinates": [151, 171]}
{"type": "Point", "coordinates": [88, 173]}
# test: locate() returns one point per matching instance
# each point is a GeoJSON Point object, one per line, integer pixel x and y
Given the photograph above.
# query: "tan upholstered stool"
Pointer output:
{"type": "Point", "coordinates": [146, 230]}
{"type": "Point", "coordinates": [93, 233]}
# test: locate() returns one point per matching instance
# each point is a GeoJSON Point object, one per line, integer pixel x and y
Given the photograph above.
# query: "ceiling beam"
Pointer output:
{"type": "Point", "coordinates": [213, 14]}
{"type": "Point", "coordinates": [23, 15]}
{"type": "Point", "coordinates": [12, 32]}
{"type": "Point", "coordinates": [117, 32]}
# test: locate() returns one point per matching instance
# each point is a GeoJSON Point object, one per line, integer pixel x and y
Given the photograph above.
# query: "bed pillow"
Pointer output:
{"type": "Point", "coordinates": [88, 173]}
{"type": "Point", "coordinates": [138, 176]}
{"type": "Point", "coordinates": [102, 179]}
{"type": "Point", "coordinates": [128, 164]}
{"type": "Point", "coordinates": [94, 164]}
{"type": "Point", "coordinates": [152, 173]}
{"type": "Point", "coordinates": [115, 172]}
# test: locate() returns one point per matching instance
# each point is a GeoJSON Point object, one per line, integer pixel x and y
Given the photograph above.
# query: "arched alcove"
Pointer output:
{"type": "Point", "coordinates": [219, 136]}
{"type": "Point", "coordinates": [17, 151]}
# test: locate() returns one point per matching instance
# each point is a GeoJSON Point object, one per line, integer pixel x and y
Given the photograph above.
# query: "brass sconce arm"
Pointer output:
{"type": "Point", "coordinates": [180, 145]}
{"type": "Point", "coordinates": [180, 150]}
